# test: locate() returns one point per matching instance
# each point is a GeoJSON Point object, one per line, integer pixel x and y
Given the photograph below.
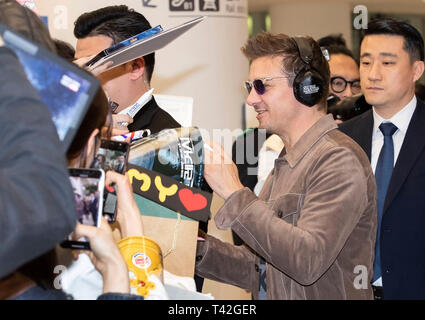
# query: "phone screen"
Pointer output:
{"type": "Point", "coordinates": [112, 155]}
{"type": "Point", "coordinates": [88, 185]}
{"type": "Point", "coordinates": [87, 196]}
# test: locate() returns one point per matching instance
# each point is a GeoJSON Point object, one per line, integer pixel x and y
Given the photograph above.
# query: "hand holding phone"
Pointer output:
{"type": "Point", "coordinates": [112, 156]}
{"type": "Point", "coordinates": [121, 121]}
{"type": "Point", "coordinates": [105, 256]}
{"type": "Point", "coordinates": [88, 186]}
{"type": "Point", "coordinates": [128, 214]}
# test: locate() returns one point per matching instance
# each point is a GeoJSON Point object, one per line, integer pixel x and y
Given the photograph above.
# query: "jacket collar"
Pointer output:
{"type": "Point", "coordinates": [144, 117]}
{"type": "Point", "coordinates": [308, 140]}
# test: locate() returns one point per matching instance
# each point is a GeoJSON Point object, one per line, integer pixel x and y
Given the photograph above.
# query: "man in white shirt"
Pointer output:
{"type": "Point", "coordinates": [393, 136]}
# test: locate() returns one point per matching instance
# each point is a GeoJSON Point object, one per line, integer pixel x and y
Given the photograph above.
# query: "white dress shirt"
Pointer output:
{"type": "Point", "coordinates": [401, 120]}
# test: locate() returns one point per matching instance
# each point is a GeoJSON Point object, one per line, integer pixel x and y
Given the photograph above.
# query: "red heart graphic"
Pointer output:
{"type": "Point", "coordinates": [192, 202]}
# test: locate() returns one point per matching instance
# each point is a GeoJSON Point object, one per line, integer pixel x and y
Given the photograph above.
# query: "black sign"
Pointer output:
{"type": "Point", "coordinates": [191, 202]}
{"type": "Point", "coordinates": [182, 5]}
{"type": "Point", "coordinates": [209, 5]}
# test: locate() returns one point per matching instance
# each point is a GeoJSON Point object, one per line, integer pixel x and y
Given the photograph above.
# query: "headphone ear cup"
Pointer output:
{"type": "Point", "coordinates": [308, 88]}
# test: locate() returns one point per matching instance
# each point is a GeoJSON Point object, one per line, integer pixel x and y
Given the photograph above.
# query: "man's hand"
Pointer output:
{"type": "Point", "coordinates": [82, 61]}
{"type": "Point", "coordinates": [105, 256]}
{"type": "Point", "coordinates": [1, 41]}
{"type": "Point", "coordinates": [120, 123]}
{"type": "Point", "coordinates": [220, 171]}
{"type": "Point", "coordinates": [128, 214]}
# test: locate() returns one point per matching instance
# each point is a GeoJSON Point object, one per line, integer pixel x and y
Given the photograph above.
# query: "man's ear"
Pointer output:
{"type": "Point", "coordinates": [137, 68]}
{"type": "Point", "coordinates": [418, 69]}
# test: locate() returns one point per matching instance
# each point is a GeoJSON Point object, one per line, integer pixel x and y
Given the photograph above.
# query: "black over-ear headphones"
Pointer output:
{"type": "Point", "coordinates": [308, 83]}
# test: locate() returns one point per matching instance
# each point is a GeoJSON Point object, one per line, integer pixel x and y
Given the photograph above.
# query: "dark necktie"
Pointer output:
{"type": "Point", "coordinates": [383, 172]}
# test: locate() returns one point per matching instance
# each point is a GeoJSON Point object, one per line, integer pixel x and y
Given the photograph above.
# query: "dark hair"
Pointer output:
{"type": "Point", "coordinates": [267, 44]}
{"type": "Point", "coordinates": [413, 41]}
{"type": "Point", "coordinates": [118, 23]}
{"type": "Point", "coordinates": [332, 40]}
{"type": "Point", "coordinates": [334, 49]}
{"type": "Point", "coordinates": [64, 50]}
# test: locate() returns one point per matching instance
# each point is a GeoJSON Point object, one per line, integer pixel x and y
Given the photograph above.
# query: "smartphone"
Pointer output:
{"type": "Point", "coordinates": [88, 186]}
{"type": "Point", "coordinates": [112, 155]}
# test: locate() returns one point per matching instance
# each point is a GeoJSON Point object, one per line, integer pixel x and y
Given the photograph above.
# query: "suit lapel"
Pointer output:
{"type": "Point", "coordinates": [363, 132]}
{"type": "Point", "coordinates": [143, 118]}
{"type": "Point", "coordinates": [413, 145]}
{"type": "Point", "coordinates": [366, 136]}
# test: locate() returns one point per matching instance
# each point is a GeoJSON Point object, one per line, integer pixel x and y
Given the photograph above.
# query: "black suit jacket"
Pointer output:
{"type": "Point", "coordinates": [403, 221]}
{"type": "Point", "coordinates": [152, 117]}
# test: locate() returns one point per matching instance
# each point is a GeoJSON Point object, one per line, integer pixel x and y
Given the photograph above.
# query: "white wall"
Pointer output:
{"type": "Point", "coordinates": [313, 18]}
{"type": "Point", "coordinates": [205, 63]}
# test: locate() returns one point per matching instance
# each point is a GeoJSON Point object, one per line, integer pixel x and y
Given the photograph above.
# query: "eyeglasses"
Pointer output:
{"type": "Point", "coordinates": [259, 84]}
{"type": "Point", "coordinates": [339, 84]}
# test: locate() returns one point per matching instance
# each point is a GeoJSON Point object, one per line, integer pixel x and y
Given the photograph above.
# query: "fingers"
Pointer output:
{"type": "Point", "coordinates": [82, 230]}
{"type": "Point", "coordinates": [76, 253]}
{"type": "Point", "coordinates": [82, 61]}
{"type": "Point", "coordinates": [102, 68]}
{"type": "Point", "coordinates": [215, 154]}
{"type": "Point", "coordinates": [121, 121]}
{"type": "Point", "coordinates": [104, 225]}
{"type": "Point", "coordinates": [90, 232]}
{"type": "Point", "coordinates": [117, 132]}
{"type": "Point", "coordinates": [128, 214]}
{"type": "Point", "coordinates": [124, 189]}
{"type": "Point", "coordinates": [95, 71]}
{"type": "Point", "coordinates": [114, 177]}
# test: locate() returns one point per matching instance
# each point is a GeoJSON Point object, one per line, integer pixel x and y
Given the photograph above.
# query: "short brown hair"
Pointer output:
{"type": "Point", "coordinates": [281, 45]}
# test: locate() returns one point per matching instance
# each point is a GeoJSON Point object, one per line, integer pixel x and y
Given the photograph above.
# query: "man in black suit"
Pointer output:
{"type": "Point", "coordinates": [121, 164]}
{"type": "Point", "coordinates": [127, 85]}
{"type": "Point", "coordinates": [393, 136]}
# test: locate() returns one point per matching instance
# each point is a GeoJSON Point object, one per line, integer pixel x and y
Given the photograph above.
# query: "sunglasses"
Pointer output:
{"type": "Point", "coordinates": [259, 84]}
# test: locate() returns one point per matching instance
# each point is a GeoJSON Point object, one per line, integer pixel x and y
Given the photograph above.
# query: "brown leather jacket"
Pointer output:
{"type": "Point", "coordinates": [314, 223]}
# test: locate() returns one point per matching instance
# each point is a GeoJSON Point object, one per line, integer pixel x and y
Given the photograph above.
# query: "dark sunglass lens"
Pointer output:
{"type": "Point", "coordinates": [259, 86]}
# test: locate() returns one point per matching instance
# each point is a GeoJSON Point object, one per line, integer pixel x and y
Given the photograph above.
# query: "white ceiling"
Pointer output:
{"type": "Point", "coordinates": [399, 6]}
